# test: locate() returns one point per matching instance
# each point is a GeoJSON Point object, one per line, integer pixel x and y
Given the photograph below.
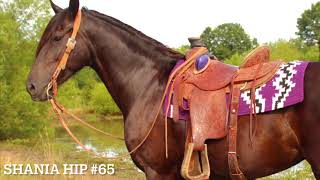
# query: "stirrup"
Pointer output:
{"type": "Point", "coordinates": [192, 168]}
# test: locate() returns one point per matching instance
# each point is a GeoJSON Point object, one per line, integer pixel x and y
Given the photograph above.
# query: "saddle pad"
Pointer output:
{"type": "Point", "coordinates": [283, 90]}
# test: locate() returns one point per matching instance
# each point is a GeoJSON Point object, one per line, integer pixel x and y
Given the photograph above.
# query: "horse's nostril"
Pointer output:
{"type": "Point", "coordinates": [31, 88]}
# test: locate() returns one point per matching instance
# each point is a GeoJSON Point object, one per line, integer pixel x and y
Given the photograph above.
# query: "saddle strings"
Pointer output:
{"type": "Point", "coordinates": [253, 113]}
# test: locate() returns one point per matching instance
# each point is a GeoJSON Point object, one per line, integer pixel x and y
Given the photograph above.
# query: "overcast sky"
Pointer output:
{"type": "Point", "coordinates": [173, 21]}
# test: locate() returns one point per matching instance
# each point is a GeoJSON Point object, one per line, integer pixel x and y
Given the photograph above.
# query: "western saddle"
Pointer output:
{"type": "Point", "coordinates": [204, 83]}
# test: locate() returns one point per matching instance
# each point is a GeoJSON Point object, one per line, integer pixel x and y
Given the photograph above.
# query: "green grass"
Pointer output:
{"type": "Point", "coordinates": [300, 172]}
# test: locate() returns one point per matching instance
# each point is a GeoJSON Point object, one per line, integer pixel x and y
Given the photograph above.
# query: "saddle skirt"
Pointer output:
{"type": "Point", "coordinates": [283, 90]}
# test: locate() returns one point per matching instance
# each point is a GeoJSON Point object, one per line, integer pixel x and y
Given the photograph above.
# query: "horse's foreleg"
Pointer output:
{"type": "Point", "coordinates": [153, 175]}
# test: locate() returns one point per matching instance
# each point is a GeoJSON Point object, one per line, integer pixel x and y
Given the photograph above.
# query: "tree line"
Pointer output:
{"type": "Point", "coordinates": [22, 23]}
{"type": "Point", "coordinates": [230, 42]}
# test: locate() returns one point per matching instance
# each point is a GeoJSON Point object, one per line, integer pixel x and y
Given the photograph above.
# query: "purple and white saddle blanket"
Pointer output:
{"type": "Point", "coordinates": [285, 89]}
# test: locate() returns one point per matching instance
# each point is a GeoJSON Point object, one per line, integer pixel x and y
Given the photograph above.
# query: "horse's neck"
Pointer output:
{"type": "Point", "coordinates": [134, 75]}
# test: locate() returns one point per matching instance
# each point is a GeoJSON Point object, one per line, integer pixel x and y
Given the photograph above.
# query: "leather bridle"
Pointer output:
{"type": "Point", "coordinates": [63, 61]}
{"type": "Point", "coordinates": [59, 109]}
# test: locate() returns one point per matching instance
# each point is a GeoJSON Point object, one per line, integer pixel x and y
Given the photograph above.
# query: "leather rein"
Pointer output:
{"type": "Point", "coordinates": [59, 109]}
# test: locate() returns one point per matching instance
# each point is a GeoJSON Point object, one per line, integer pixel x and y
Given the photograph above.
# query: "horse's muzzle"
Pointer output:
{"type": "Point", "coordinates": [37, 94]}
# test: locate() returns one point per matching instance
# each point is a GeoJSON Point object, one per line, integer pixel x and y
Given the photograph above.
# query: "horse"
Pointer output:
{"type": "Point", "coordinates": [135, 69]}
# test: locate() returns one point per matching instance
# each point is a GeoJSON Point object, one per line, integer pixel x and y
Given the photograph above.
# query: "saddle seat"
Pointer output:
{"type": "Point", "coordinates": [217, 75]}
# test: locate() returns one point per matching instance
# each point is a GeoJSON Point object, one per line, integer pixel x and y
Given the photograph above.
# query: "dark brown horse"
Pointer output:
{"type": "Point", "coordinates": [135, 69]}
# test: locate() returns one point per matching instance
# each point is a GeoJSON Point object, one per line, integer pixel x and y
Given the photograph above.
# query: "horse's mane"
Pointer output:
{"type": "Point", "coordinates": [134, 32]}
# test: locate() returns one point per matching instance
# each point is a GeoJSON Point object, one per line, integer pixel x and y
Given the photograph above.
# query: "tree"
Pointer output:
{"type": "Point", "coordinates": [309, 26]}
{"type": "Point", "coordinates": [21, 22]}
{"type": "Point", "coordinates": [227, 39]}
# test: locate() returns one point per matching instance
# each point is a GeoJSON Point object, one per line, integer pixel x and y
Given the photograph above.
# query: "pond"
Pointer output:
{"type": "Point", "coordinates": [96, 141]}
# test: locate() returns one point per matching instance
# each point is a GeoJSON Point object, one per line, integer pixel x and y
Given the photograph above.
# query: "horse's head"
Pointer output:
{"type": "Point", "coordinates": [51, 48]}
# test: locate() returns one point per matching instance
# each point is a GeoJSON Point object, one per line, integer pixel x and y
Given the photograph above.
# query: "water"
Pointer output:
{"type": "Point", "coordinates": [99, 143]}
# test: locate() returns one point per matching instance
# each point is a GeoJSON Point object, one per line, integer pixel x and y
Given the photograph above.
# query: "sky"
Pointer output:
{"type": "Point", "coordinates": [173, 21]}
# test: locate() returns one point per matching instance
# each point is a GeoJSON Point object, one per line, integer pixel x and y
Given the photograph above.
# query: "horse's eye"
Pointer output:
{"type": "Point", "coordinates": [57, 38]}
{"type": "Point", "coordinates": [60, 28]}
{"type": "Point", "coordinates": [70, 30]}
{"type": "Point", "coordinates": [62, 32]}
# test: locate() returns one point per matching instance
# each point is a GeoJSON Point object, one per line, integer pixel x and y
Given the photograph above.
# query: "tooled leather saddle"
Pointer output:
{"type": "Point", "coordinates": [204, 83]}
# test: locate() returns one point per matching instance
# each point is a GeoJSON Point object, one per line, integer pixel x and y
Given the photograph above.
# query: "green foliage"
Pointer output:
{"type": "Point", "coordinates": [285, 50]}
{"type": "Point", "coordinates": [85, 91]}
{"type": "Point", "coordinates": [70, 95]}
{"type": "Point", "coordinates": [301, 171]}
{"type": "Point", "coordinates": [19, 116]}
{"type": "Point", "coordinates": [311, 53]}
{"type": "Point", "coordinates": [183, 49]}
{"type": "Point", "coordinates": [292, 50]}
{"type": "Point", "coordinates": [309, 26]}
{"type": "Point", "coordinates": [102, 101]}
{"type": "Point", "coordinates": [235, 59]}
{"type": "Point", "coordinates": [227, 39]}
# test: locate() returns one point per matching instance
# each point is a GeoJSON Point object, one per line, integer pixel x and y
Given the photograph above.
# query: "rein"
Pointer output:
{"type": "Point", "coordinates": [59, 109]}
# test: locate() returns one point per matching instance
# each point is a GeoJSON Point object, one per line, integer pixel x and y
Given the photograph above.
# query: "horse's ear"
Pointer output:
{"type": "Point", "coordinates": [55, 8]}
{"type": "Point", "coordinates": [73, 8]}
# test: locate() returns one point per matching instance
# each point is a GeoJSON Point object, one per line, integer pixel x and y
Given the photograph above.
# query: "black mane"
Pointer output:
{"type": "Point", "coordinates": [134, 32]}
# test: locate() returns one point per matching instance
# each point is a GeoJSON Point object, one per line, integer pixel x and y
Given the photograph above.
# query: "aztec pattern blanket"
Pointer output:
{"type": "Point", "coordinates": [285, 89]}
